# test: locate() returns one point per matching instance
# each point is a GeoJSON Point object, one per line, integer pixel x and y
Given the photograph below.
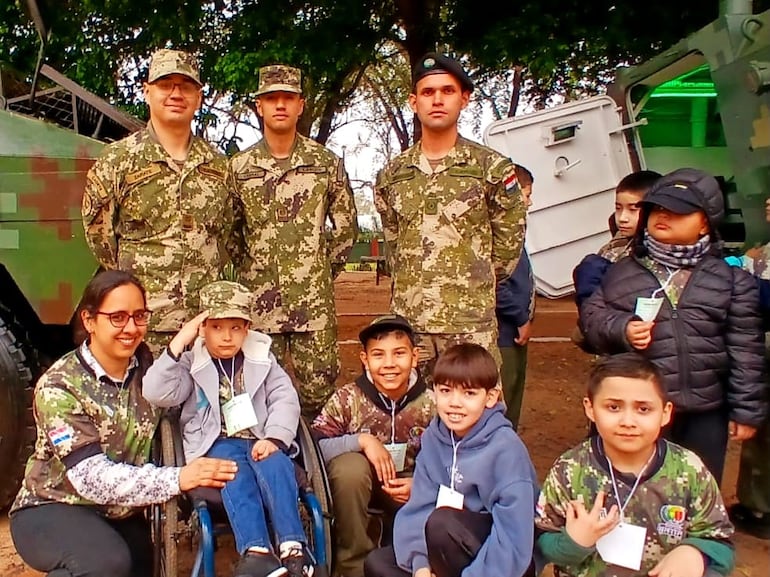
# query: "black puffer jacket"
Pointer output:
{"type": "Point", "coordinates": [710, 348]}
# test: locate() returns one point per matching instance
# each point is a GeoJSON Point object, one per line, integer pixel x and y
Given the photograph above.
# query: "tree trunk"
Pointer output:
{"type": "Point", "coordinates": [516, 92]}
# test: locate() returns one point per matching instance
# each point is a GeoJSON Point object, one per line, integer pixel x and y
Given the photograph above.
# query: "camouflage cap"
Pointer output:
{"type": "Point", "coordinates": [279, 78]}
{"type": "Point", "coordinates": [166, 61]}
{"type": "Point", "coordinates": [435, 63]}
{"type": "Point", "coordinates": [226, 300]}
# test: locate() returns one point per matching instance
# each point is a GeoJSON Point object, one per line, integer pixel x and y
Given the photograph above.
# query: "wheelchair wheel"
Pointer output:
{"type": "Point", "coordinates": [319, 483]}
{"type": "Point", "coordinates": [165, 516]}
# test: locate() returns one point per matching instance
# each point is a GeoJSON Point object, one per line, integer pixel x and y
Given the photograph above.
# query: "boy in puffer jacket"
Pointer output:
{"type": "Point", "coordinates": [678, 303]}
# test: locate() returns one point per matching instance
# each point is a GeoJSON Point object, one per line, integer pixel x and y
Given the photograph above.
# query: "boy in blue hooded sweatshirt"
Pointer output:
{"type": "Point", "coordinates": [474, 490]}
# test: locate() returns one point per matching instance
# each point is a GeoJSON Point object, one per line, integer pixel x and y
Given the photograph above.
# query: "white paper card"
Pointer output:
{"type": "Point", "coordinates": [239, 414]}
{"type": "Point", "coordinates": [398, 454]}
{"type": "Point", "coordinates": [623, 546]}
{"type": "Point", "coordinates": [449, 498]}
{"type": "Point", "coordinates": [647, 308]}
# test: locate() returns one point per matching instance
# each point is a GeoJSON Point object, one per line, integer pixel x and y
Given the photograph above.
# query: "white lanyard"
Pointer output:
{"type": "Point", "coordinates": [636, 483]}
{"type": "Point", "coordinates": [453, 471]}
{"type": "Point", "coordinates": [664, 285]}
{"type": "Point", "coordinates": [232, 375]}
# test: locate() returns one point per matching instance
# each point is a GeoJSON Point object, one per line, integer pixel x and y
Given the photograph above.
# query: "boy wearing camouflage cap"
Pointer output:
{"type": "Point", "coordinates": [158, 203]}
{"type": "Point", "coordinates": [237, 401]}
{"type": "Point", "coordinates": [300, 224]}
{"type": "Point", "coordinates": [626, 501]}
{"type": "Point", "coordinates": [369, 432]}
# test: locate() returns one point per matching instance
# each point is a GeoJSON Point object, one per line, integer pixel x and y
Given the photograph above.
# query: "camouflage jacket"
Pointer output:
{"type": "Point", "coordinates": [171, 227]}
{"type": "Point", "coordinates": [75, 410]}
{"type": "Point", "coordinates": [677, 501]}
{"type": "Point", "coordinates": [450, 234]}
{"type": "Point", "coordinates": [616, 248]}
{"type": "Point", "coordinates": [359, 408]}
{"type": "Point", "coordinates": [290, 249]}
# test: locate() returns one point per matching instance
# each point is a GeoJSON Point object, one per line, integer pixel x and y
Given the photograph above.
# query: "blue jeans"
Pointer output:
{"type": "Point", "coordinates": [259, 486]}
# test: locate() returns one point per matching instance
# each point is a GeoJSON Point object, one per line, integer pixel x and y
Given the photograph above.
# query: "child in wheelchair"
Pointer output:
{"type": "Point", "coordinates": [237, 403]}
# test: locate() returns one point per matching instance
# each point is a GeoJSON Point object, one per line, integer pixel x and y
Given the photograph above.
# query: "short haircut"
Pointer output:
{"type": "Point", "coordinates": [383, 332]}
{"type": "Point", "coordinates": [523, 175]}
{"type": "Point", "coordinates": [630, 366]}
{"type": "Point", "coordinates": [639, 181]}
{"type": "Point", "coordinates": [467, 365]}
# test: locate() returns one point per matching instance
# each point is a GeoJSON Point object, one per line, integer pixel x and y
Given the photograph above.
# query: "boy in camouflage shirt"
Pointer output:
{"type": "Point", "coordinates": [627, 502]}
{"type": "Point", "coordinates": [369, 432]}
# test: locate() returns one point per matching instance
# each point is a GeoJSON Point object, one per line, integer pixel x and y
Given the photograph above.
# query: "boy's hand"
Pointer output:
{"type": "Point", "coordinates": [682, 561]}
{"type": "Point", "coordinates": [586, 527]}
{"type": "Point", "coordinates": [739, 432]}
{"type": "Point", "coordinates": [424, 572]}
{"type": "Point", "coordinates": [206, 472]}
{"type": "Point", "coordinates": [398, 489]}
{"type": "Point", "coordinates": [378, 456]}
{"type": "Point", "coordinates": [262, 449]}
{"type": "Point", "coordinates": [639, 334]}
{"type": "Point", "coordinates": [525, 331]}
{"type": "Point", "coordinates": [187, 334]}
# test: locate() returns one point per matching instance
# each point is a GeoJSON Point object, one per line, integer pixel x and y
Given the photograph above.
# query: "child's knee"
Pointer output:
{"type": "Point", "coordinates": [350, 471]}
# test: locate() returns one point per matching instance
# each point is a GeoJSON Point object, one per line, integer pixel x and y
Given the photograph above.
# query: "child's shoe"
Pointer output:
{"type": "Point", "coordinates": [254, 564]}
{"type": "Point", "coordinates": [298, 562]}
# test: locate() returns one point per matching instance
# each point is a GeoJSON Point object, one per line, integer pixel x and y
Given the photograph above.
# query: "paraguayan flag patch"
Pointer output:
{"type": "Point", "coordinates": [60, 435]}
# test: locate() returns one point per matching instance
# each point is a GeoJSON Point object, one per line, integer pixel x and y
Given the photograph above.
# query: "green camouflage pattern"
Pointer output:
{"type": "Point", "coordinates": [170, 226]}
{"type": "Point", "coordinates": [672, 281]}
{"type": "Point", "coordinates": [281, 78]}
{"type": "Point", "coordinates": [350, 412]}
{"type": "Point", "coordinates": [450, 235]}
{"type": "Point", "coordinates": [74, 409]}
{"type": "Point", "coordinates": [617, 247]}
{"type": "Point", "coordinates": [290, 253]}
{"type": "Point", "coordinates": [42, 175]}
{"type": "Point", "coordinates": [226, 393]}
{"type": "Point", "coordinates": [226, 300]}
{"type": "Point", "coordinates": [165, 62]}
{"type": "Point", "coordinates": [431, 345]}
{"type": "Point", "coordinates": [315, 362]}
{"type": "Point", "coordinates": [680, 500]}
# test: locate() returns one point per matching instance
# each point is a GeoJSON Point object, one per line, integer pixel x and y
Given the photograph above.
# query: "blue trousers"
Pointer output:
{"type": "Point", "coordinates": [261, 490]}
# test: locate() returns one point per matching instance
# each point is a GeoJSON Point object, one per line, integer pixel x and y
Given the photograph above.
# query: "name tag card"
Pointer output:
{"type": "Point", "coordinates": [239, 414]}
{"type": "Point", "coordinates": [398, 454]}
{"type": "Point", "coordinates": [623, 546]}
{"type": "Point", "coordinates": [448, 497]}
{"type": "Point", "coordinates": [647, 308]}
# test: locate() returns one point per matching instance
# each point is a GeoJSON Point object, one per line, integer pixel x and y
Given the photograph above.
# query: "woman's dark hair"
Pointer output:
{"type": "Point", "coordinates": [628, 365]}
{"type": "Point", "coordinates": [467, 365]}
{"type": "Point", "coordinates": [97, 290]}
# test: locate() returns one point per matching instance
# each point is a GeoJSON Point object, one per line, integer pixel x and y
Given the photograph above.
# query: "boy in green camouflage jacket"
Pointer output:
{"type": "Point", "coordinates": [626, 502]}
{"type": "Point", "coordinates": [369, 432]}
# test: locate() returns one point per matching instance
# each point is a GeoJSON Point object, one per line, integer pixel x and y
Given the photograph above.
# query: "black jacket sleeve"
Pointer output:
{"type": "Point", "coordinates": [604, 325]}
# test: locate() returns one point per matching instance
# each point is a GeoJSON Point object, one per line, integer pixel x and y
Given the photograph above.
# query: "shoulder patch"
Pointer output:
{"type": "Point", "coordinates": [96, 183]}
{"type": "Point", "coordinates": [143, 174]}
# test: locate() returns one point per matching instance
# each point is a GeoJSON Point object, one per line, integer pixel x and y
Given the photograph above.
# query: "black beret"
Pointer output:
{"type": "Point", "coordinates": [434, 63]}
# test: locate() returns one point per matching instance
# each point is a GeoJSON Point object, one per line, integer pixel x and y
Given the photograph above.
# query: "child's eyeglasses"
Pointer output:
{"type": "Point", "coordinates": [119, 319]}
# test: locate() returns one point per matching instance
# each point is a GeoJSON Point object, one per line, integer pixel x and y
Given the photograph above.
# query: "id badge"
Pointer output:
{"type": "Point", "coordinates": [623, 546]}
{"type": "Point", "coordinates": [448, 497]}
{"type": "Point", "coordinates": [398, 454]}
{"type": "Point", "coordinates": [647, 308]}
{"type": "Point", "coordinates": [239, 414]}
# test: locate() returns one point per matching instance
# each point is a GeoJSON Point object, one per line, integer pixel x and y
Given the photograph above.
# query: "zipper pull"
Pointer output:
{"type": "Point", "coordinates": [674, 314]}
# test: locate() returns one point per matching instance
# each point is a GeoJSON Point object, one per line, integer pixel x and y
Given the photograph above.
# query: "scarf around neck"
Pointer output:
{"type": "Point", "coordinates": [677, 255]}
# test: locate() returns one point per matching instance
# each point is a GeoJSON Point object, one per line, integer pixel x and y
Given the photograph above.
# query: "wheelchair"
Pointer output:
{"type": "Point", "coordinates": [201, 515]}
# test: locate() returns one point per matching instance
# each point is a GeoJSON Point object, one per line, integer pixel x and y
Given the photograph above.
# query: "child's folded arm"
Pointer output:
{"type": "Point", "coordinates": [720, 554]}
{"type": "Point", "coordinates": [587, 276]}
{"type": "Point", "coordinates": [605, 328]}
{"type": "Point", "coordinates": [332, 447]}
{"type": "Point", "coordinates": [167, 382]}
{"type": "Point", "coordinates": [559, 548]}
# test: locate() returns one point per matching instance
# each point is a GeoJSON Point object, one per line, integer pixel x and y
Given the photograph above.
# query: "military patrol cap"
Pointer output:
{"type": "Point", "coordinates": [386, 323]}
{"type": "Point", "coordinates": [166, 61]}
{"type": "Point", "coordinates": [434, 63]}
{"type": "Point", "coordinates": [279, 78]}
{"type": "Point", "coordinates": [226, 300]}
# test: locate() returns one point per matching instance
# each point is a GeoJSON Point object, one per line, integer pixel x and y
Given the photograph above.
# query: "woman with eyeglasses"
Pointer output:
{"type": "Point", "coordinates": [80, 508]}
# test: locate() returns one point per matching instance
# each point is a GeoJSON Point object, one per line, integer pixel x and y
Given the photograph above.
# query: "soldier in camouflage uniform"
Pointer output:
{"type": "Point", "coordinates": [364, 428]}
{"type": "Point", "coordinates": [159, 203]}
{"type": "Point", "coordinates": [79, 510]}
{"type": "Point", "coordinates": [300, 224]}
{"type": "Point", "coordinates": [628, 473]}
{"type": "Point", "coordinates": [453, 219]}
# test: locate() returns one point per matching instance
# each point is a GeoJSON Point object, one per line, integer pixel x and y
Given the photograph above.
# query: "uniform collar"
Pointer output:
{"type": "Point", "coordinates": [459, 154]}
{"type": "Point", "coordinates": [99, 372]}
{"type": "Point", "coordinates": [197, 151]}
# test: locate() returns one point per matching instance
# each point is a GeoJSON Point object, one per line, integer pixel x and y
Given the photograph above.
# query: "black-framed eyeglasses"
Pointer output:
{"type": "Point", "coordinates": [119, 319]}
{"type": "Point", "coordinates": [187, 88]}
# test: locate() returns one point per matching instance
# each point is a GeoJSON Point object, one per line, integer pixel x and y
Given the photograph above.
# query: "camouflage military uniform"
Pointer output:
{"type": "Point", "coordinates": [291, 255]}
{"type": "Point", "coordinates": [358, 408]}
{"type": "Point", "coordinates": [618, 247]}
{"type": "Point", "coordinates": [73, 409]}
{"type": "Point", "coordinates": [677, 501]}
{"type": "Point", "coordinates": [451, 233]}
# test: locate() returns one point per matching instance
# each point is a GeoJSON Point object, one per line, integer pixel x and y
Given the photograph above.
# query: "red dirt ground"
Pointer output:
{"type": "Point", "coordinates": [552, 418]}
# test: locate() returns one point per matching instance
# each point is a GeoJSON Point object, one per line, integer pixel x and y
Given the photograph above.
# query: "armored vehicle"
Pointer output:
{"type": "Point", "coordinates": [51, 130]}
{"type": "Point", "coordinates": [703, 103]}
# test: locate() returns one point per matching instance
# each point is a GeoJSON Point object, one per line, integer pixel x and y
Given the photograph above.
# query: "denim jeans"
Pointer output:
{"type": "Point", "coordinates": [260, 487]}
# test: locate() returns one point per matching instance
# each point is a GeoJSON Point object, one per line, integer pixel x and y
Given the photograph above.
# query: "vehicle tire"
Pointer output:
{"type": "Point", "coordinates": [165, 516]}
{"type": "Point", "coordinates": [18, 369]}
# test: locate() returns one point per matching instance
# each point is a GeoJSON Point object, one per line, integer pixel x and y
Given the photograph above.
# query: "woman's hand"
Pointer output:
{"type": "Point", "coordinates": [207, 472]}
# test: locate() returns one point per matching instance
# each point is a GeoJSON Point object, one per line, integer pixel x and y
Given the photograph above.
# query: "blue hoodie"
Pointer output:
{"type": "Point", "coordinates": [494, 474]}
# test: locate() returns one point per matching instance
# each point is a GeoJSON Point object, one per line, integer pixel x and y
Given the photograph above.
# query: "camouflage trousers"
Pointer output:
{"type": "Point", "coordinates": [157, 341]}
{"type": "Point", "coordinates": [433, 344]}
{"type": "Point", "coordinates": [754, 471]}
{"type": "Point", "coordinates": [314, 360]}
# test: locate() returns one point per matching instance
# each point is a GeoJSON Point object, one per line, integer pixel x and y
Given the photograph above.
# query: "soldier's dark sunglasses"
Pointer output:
{"type": "Point", "coordinates": [119, 319]}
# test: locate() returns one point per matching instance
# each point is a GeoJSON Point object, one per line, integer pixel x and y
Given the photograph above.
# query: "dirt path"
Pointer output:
{"type": "Point", "coordinates": [552, 418]}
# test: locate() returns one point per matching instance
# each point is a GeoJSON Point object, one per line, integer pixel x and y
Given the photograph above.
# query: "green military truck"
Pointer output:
{"type": "Point", "coordinates": [51, 130]}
